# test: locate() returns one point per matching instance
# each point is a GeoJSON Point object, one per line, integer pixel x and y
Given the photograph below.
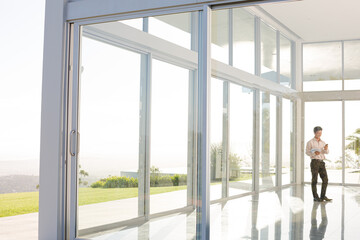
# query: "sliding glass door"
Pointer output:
{"type": "Point", "coordinates": [132, 103]}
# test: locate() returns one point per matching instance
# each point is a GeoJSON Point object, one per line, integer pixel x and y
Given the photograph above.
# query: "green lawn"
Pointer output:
{"type": "Point", "coordinates": [12, 204]}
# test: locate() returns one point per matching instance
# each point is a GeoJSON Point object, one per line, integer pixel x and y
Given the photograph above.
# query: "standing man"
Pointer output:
{"type": "Point", "coordinates": [316, 150]}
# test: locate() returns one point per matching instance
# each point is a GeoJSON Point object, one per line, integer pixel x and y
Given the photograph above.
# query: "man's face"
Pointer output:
{"type": "Point", "coordinates": [318, 134]}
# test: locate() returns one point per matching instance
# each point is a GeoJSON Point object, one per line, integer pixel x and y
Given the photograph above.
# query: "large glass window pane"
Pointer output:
{"type": "Point", "coordinates": [285, 61]}
{"type": "Point", "coordinates": [240, 139]}
{"type": "Point", "coordinates": [109, 129]}
{"type": "Point", "coordinates": [169, 137]}
{"type": "Point", "coordinates": [21, 58]}
{"type": "Point", "coordinates": [322, 66]}
{"type": "Point", "coordinates": [175, 28]}
{"type": "Point", "coordinates": [243, 40]}
{"type": "Point", "coordinates": [220, 35]}
{"type": "Point", "coordinates": [268, 52]}
{"type": "Point", "coordinates": [287, 141]}
{"type": "Point", "coordinates": [216, 138]}
{"type": "Point", "coordinates": [268, 120]}
{"type": "Point", "coordinates": [352, 142]}
{"type": "Point", "coordinates": [328, 116]}
{"type": "Point", "coordinates": [352, 65]}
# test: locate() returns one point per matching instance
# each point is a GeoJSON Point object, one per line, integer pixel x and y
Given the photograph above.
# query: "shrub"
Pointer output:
{"type": "Point", "coordinates": [175, 179]}
{"type": "Point", "coordinates": [116, 182]}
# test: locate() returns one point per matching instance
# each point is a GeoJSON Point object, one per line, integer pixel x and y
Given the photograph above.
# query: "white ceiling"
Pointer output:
{"type": "Point", "coordinates": [319, 20]}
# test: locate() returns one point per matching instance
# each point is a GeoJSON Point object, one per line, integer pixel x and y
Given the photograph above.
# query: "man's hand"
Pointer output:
{"type": "Point", "coordinates": [326, 147]}
{"type": "Point", "coordinates": [317, 153]}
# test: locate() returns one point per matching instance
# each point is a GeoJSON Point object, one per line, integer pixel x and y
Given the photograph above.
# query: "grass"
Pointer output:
{"type": "Point", "coordinates": [12, 204]}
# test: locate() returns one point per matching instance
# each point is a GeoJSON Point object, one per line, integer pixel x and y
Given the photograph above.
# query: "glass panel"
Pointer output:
{"type": "Point", "coordinates": [175, 28]}
{"type": "Point", "coordinates": [268, 52]}
{"type": "Point", "coordinates": [268, 120]}
{"type": "Point", "coordinates": [244, 44]}
{"type": "Point", "coordinates": [216, 138]}
{"type": "Point", "coordinates": [352, 65]}
{"type": "Point", "coordinates": [322, 66]}
{"type": "Point", "coordinates": [220, 35]}
{"type": "Point", "coordinates": [287, 142]}
{"type": "Point", "coordinates": [241, 139]}
{"type": "Point", "coordinates": [352, 142]}
{"type": "Point", "coordinates": [109, 128]}
{"type": "Point", "coordinates": [169, 137]}
{"type": "Point", "coordinates": [318, 114]}
{"type": "Point", "coordinates": [285, 61]}
{"type": "Point", "coordinates": [21, 61]}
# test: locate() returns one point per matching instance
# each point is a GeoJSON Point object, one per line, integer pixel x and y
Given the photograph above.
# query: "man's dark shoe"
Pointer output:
{"type": "Point", "coordinates": [326, 199]}
{"type": "Point", "coordinates": [318, 200]}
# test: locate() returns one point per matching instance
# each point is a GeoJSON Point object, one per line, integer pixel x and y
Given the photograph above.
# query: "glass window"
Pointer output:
{"type": "Point", "coordinates": [268, 52]}
{"type": "Point", "coordinates": [352, 65]}
{"type": "Point", "coordinates": [175, 28]}
{"type": "Point", "coordinates": [352, 142]}
{"type": "Point", "coordinates": [288, 147]}
{"type": "Point", "coordinates": [109, 128]}
{"type": "Point", "coordinates": [318, 114]}
{"type": "Point", "coordinates": [169, 137]}
{"type": "Point", "coordinates": [268, 120]}
{"type": "Point", "coordinates": [240, 139]}
{"type": "Point", "coordinates": [244, 44]}
{"type": "Point", "coordinates": [322, 66]}
{"type": "Point", "coordinates": [285, 61]}
{"type": "Point", "coordinates": [220, 35]}
{"type": "Point", "coordinates": [216, 138]}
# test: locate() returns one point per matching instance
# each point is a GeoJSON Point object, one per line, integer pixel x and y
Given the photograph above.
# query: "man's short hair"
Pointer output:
{"type": "Point", "coordinates": [317, 128]}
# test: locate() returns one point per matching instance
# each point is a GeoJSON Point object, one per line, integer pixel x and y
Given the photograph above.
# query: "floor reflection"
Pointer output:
{"type": "Point", "coordinates": [318, 232]}
{"type": "Point", "coordinates": [286, 214]}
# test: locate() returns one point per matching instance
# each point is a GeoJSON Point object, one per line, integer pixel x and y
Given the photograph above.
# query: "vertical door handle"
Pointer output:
{"type": "Point", "coordinates": [74, 142]}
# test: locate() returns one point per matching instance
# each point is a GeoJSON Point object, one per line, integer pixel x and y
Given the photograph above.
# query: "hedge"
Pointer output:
{"type": "Point", "coordinates": [156, 180]}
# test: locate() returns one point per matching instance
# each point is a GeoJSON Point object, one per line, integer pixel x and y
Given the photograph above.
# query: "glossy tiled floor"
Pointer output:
{"type": "Point", "coordinates": [286, 214]}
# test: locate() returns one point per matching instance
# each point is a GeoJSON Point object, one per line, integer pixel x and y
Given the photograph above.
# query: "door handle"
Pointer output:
{"type": "Point", "coordinates": [74, 142]}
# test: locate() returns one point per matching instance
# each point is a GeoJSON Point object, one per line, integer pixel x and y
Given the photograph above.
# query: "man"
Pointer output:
{"type": "Point", "coordinates": [316, 150]}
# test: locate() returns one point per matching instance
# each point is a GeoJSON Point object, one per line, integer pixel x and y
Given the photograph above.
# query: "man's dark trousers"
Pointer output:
{"type": "Point", "coordinates": [318, 167]}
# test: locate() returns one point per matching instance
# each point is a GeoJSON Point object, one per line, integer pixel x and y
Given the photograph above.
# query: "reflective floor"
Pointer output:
{"type": "Point", "coordinates": [286, 214]}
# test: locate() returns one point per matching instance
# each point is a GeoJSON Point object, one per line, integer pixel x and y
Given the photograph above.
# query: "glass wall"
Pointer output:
{"type": "Point", "coordinates": [268, 135]}
{"type": "Point", "coordinates": [322, 66]}
{"type": "Point", "coordinates": [268, 52]}
{"type": "Point", "coordinates": [352, 65]}
{"type": "Point", "coordinates": [319, 114]}
{"type": "Point", "coordinates": [352, 142]}
{"type": "Point", "coordinates": [288, 148]}
{"type": "Point", "coordinates": [241, 111]}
